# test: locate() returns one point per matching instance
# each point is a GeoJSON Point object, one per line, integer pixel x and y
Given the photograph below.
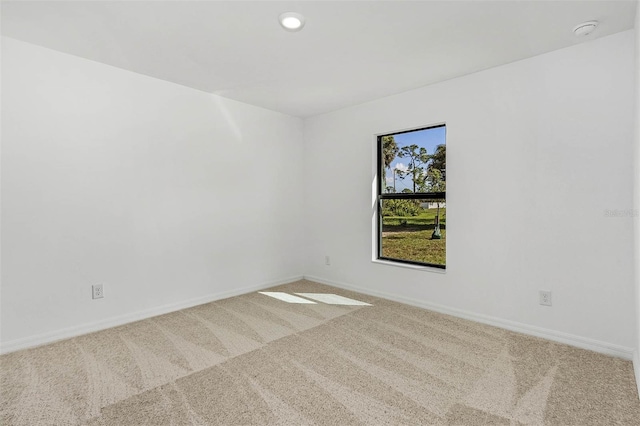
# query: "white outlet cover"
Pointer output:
{"type": "Point", "coordinates": [545, 297]}
{"type": "Point", "coordinates": [97, 291]}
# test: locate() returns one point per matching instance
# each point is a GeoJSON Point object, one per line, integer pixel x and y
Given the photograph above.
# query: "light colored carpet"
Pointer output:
{"type": "Point", "coordinates": [256, 360]}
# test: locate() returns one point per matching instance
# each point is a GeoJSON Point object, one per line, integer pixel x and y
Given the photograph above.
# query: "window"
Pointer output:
{"type": "Point", "coordinates": [411, 205]}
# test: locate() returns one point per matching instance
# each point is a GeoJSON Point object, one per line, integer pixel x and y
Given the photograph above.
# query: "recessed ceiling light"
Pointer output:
{"type": "Point", "coordinates": [291, 21]}
{"type": "Point", "coordinates": [585, 28]}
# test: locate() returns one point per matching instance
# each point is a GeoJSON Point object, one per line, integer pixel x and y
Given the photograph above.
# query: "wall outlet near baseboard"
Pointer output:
{"type": "Point", "coordinates": [327, 260]}
{"type": "Point", "coordinates": [545, 297]}
{"type": "Point", "coordinates": [98, 292]}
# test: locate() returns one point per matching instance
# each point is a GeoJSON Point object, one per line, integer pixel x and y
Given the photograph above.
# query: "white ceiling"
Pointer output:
{"type": "Point", "coordinates": [348, 52]}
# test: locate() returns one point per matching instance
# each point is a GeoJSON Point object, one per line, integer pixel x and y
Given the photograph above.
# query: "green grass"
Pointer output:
{"type": "Point", "coordinates": [409, 238]}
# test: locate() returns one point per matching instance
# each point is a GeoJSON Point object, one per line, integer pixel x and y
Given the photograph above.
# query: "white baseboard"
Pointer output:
{"type": "Point", "coordinates": [556, 336]}
{"type": "Point", "coordinates": [66, 333]}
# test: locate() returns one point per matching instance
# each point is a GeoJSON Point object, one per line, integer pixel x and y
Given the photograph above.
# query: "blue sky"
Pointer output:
{"type": "Point", "coordinates": [428, 138]}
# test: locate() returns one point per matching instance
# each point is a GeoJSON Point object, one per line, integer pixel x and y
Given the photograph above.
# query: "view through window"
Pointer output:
{"type": "Point", "coordinates": [412, 208]}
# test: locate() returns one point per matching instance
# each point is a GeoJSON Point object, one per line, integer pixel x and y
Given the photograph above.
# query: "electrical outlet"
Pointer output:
{"type": "Point", "coordinates": [327, 260]}
{"type": "Point", "coordinates": [98, 292]}
{"type": "Point", "coordinates": [545, 297]}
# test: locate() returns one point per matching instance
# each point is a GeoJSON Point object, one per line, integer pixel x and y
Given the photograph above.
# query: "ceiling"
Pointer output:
{"type": "Point", "coordinates": [348, 53]}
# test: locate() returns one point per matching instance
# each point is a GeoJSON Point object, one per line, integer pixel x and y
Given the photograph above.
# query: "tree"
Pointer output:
{"type": "Point", "coordinates": [418, 158]}
{"type": "Point", "coordinates": [435, 180]}
{"type": "Point", "coordinates": [439, 160]}
{"type": "Point", "coordinates": [436, 183]}
{"type": "Point", "coordinates": [389, 152]}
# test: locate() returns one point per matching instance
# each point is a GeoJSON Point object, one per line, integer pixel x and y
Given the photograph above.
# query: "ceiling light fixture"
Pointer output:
{"type": "Point", "coordinates": [291, 21]}
{"type": "Point", "coordinates": [585, 28]}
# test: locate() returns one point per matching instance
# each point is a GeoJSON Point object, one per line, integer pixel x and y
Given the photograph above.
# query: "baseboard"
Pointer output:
{"type": "Point", "coordinates": [66, 333]}
{"type": "Point", "coordinates": [556, 336]}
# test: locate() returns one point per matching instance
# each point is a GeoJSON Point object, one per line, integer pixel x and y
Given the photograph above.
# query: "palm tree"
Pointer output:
{"type": "Point", "coordinates": [389, 151]}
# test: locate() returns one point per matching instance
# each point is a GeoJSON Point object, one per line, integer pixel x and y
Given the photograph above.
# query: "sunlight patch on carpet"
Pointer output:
{"type": "Point", "coordinates": [285, 297]}
{"type": "Point", "coordinates": [333, 299]}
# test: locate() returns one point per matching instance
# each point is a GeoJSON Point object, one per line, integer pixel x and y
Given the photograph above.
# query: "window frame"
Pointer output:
{"type": "Point", "coordinates": [380, 195]}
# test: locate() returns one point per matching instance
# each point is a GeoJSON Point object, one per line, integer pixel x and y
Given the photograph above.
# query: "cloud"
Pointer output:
{"type": "Point", "coordinates": [401, 167]}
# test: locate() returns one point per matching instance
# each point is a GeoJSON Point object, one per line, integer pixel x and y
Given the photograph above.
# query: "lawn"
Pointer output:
{"type": "Point", "coordinates": [409, 238]}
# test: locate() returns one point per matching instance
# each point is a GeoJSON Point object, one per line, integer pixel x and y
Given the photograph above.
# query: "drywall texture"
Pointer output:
{"type": "Point", "coordinates": [160, 192]}
{"type": "Point", "coordinates": [539, 155]}
{"type": "Point", "coordinates": [636, 201]}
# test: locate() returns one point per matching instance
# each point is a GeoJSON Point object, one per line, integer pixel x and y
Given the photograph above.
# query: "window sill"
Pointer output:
{"type": "Point", "coordinates": [410, 266]}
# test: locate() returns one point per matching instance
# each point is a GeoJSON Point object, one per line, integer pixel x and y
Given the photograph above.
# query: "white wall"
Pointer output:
{"type": "Point", "coordinates": [537, 151]}
{"type": "Point", "coordinates": [636, 200]}
{"type": "Point", "coordinates": [164, 194]}
{"type": "Point", "coordinates": [169, 196]}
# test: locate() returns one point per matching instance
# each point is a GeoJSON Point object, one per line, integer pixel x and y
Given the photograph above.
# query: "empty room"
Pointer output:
{"type": "Point", "coordinates": [242, 213]}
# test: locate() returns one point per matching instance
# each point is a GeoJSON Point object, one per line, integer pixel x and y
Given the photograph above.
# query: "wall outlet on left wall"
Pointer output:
{"type": "Point", "coordinates": [545, 297]}
{"type": "Point", "coordinates": [98, 292]}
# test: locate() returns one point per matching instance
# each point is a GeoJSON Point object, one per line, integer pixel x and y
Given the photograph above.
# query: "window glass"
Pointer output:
{"type": "Point", "coordinates": [412, 210]}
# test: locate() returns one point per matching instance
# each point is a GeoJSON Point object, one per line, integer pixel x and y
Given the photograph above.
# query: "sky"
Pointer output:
{"type": "Point", "coordinates": [428, 138]}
